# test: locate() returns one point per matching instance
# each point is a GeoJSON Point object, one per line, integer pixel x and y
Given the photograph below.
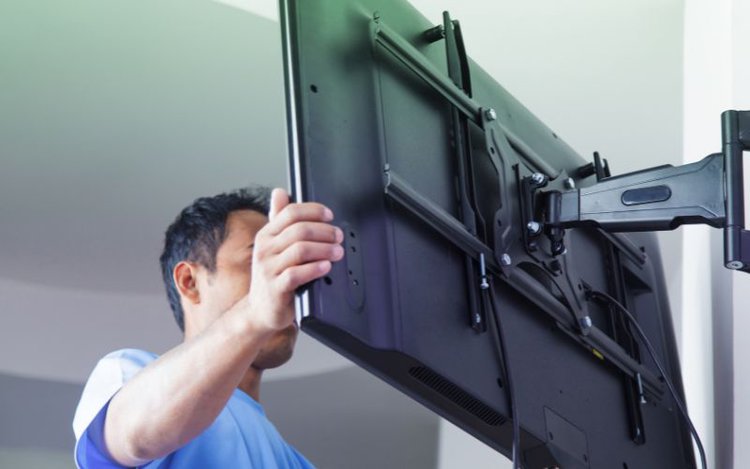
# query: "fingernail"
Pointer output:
{"type": "Point", "coordinates": [338, 252]}
{"type": "Point", "coordinates": [328, 214]}
{"type": "Point", "coordinates": [339, 235]}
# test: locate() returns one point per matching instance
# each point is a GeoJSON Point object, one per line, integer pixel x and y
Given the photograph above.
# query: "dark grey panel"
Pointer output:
{"type": "Point", "coordinates": [37, 413]}
{"type": "Point", "coordinates": [36, 458]}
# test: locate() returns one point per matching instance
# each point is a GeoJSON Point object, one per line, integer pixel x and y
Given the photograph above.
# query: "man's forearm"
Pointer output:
{"type": "Point", "coordinates": [176, 397]}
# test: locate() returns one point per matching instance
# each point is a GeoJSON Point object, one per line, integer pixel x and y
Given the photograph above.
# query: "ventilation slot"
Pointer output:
{"type": "Point", "coordinates": [457, 395]}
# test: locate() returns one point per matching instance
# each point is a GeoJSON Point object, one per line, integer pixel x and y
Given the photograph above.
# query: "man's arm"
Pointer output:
{"type": "Point", "coordinates": [179, 395]}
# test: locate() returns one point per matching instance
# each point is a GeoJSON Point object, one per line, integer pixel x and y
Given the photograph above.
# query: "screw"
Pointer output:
{"type": "Point", "coordinates": [585, 322]}
{"type": "Point", "coordinates": [534, 227]}
{"type": "Point", "coordinates": [505, 259]}
{"type": "Point", "coordinates": [537, 178]}
{"type": "Point", "coordinates": [483, 272]}
{"type": "Point", "coordinates": [558, 248]}
{"type": "Point", "coordinates": [569, 183]}
{"type": "Point", "coordinates": [639, 381]}
{"type": "Point", "coordinates": [490, 114]}
{"type": "Point", "coordinates": [435, 34]}
{"type": "Point", "coordinates": [735, 265]}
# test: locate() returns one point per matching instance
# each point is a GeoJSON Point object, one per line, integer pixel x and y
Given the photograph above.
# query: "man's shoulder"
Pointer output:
{"type": "Point", "coordinates": [118, 367]}
{"type": "Point", "coordinates": [129, 355]}
{"type": "Point", "coordinates": [111, 372]}
{"type": "Point", "coordinates": [121, 365]}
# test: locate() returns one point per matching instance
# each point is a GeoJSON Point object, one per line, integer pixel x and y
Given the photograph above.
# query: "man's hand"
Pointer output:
{"type": "Point", "coordinates": [297, 246]}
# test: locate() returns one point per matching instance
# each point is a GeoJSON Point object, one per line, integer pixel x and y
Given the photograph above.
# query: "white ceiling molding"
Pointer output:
{"type": "Point", "coordinates": [265, 8]}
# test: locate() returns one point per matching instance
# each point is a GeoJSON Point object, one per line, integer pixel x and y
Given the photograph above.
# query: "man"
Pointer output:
{"type": "Point", "coordinates": [231, 273]}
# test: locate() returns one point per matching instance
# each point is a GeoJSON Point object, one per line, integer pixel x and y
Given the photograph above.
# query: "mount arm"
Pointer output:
{"type": "Point", "coordinates": [709, 192]}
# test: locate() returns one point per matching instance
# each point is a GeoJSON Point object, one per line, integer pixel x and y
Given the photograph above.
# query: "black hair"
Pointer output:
{"type": "Point", "coordinates": [198, 231]}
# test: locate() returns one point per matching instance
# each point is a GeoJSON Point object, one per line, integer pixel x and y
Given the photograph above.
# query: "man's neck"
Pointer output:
{"type": "Point", "coordinates": [250, 383]}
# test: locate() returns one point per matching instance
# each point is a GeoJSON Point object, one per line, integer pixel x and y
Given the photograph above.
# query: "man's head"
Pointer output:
{"type": "Point", "coordinates": [206, 263]}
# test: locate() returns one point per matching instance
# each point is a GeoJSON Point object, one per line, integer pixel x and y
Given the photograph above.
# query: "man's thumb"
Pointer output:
{"type": "Point", "coordinates": [279, 200]}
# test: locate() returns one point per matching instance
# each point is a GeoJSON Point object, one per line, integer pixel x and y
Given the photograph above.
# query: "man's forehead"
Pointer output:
{"type": "Point", "coordinates": [239, 237]}
{"type": "Point", "coordinates": [244, 224]}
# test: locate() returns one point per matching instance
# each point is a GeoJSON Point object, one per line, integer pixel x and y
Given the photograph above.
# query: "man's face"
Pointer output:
{"type": "Point", "coordinates": [230, 283]}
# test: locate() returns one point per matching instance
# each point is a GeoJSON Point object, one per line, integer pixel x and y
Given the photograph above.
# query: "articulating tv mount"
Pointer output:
{"type": "Point", "coordinates": [709, 192]}
{"type": "Point", "coordinates": [662, 198]}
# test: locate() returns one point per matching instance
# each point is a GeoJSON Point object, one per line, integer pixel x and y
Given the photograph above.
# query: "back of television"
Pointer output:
{"type": "Point", "coordinates": [461, 263]}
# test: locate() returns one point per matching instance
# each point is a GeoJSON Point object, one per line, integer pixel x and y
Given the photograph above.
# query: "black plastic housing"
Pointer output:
{"type": "Point", "coordinates": [373, 133]}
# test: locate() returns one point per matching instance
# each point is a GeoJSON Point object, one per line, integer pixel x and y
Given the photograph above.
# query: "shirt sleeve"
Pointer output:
{"type": "Point", "coordinates": [109, 375]}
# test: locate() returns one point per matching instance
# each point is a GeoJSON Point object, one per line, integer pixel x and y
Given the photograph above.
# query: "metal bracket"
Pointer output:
{"type": "Point", "coordinates": [500, 151]}
{"type": "Point", "coordinates": [532, 226]}
{"type": "Point", "coordinates": [710, 191]}
{"type": "Point", "coordinates": [506, 151]}
{"type": "Point", "coordinates": [735, 133]}
{"type": "Point", "coordinates": [659, 198]}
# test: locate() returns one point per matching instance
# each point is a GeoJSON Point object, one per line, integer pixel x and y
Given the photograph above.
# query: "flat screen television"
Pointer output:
{"type": "Point", "coordinates": [449, 291]}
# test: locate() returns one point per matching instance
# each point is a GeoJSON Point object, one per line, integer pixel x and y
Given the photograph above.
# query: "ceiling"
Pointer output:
{"type": "Point", "coordinates": [114, 116]}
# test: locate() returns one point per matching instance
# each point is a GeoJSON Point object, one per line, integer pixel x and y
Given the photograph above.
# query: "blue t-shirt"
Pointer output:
{"type": "Point", "coordinates": [241, 437]}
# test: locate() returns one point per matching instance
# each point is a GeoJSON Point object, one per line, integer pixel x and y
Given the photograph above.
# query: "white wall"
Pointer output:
{"type": "Point", "coordinates": [717, 77]}
{"type": "Point", "coordinates": [740, 450]}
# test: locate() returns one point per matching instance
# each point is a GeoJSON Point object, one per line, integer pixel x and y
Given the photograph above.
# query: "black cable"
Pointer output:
{"type": "Point", "coordinates": [651, 352]}
{"type": "Point", "coordinates": [497, 329]}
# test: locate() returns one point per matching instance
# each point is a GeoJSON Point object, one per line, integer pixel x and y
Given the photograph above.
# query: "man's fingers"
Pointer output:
{"type": "Point", "coordinates": [295, 213]}
{"type": "Point", "coordinates": [304, 252]}
{"type": "Point", "coordinates": [307, 231]}
{"type": "Point", "coordinates": [298, 275]}
{"type": "Point", "coordinates": [279, 200]}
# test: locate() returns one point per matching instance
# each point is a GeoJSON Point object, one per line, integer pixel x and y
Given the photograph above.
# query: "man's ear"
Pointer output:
{"type": "Point", "coordinates": [184, 276]}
